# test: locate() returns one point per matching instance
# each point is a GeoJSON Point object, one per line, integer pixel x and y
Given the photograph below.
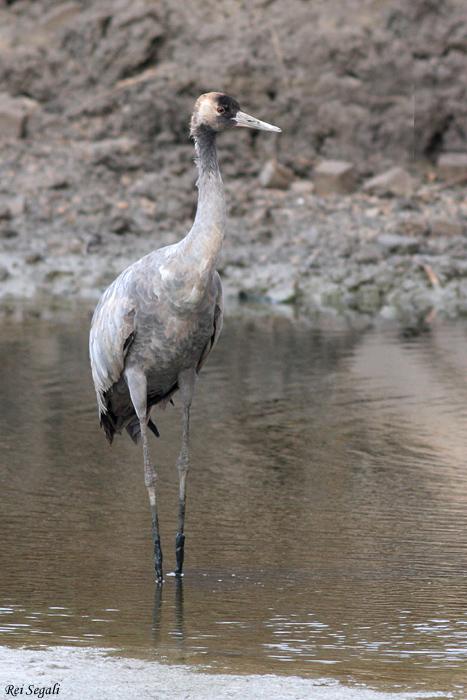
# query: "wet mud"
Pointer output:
{"type": "Point", "coordinates": [96, 164]}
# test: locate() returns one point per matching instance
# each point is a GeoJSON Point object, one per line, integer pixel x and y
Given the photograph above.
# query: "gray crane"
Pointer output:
{"type": "Point", "coordinates": [158, 321]}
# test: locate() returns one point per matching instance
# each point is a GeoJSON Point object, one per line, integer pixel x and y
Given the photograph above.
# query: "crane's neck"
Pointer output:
{"type": "Point", "coordinates": [203, 243]}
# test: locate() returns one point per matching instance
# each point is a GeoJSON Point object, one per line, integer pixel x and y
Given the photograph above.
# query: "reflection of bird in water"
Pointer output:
{"type": "Point", "coordinates": [177, 626]}
{"type": "Point", "coordinates": [156, 324]}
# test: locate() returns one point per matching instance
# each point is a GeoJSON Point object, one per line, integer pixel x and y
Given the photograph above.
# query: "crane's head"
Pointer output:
{"type": "Point", "coordinates": [217, 111]}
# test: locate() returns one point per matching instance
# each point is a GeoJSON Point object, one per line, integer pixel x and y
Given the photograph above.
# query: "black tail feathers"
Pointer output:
{"type": "Point", "coordinates": [153, 427]}
{"type": "Point", "coordinates": [109, 427]}
{"type": "Point", "coordinates": [133, 428]}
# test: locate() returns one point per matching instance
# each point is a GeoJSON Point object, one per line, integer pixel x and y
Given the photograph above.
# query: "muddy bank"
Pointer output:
{"type": "Point", "coordinates": [90, 673]}
{"type": "Point", "coordinates": [398, 257]}
{"type": "Point", "coordinates": [96, 166]}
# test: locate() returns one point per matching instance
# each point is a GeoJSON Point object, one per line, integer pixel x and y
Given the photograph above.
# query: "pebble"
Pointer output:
{"type": "Point", "coordinates": [334, 177]}
{"type": "Point", "coordinates": [413, 226]}
{"type": "Point", "coordinates": [32, 258]}
{"type": "Point", "coordinates": [451, 166]}
{"type": "Point", "coordinates": [395, 242]}
{"type": "Point", "coordinates": [395, 181]}
{"type": "Point", "coordinates": [95, 151]}
{"type": "Point", "coordinates": [283, 294]}
{"type": "Point", "coordinates": [5, 212]}
{"type": "Point", "coordinates": [275, 175]}
{"type": "Point", "coordinates": [302, 187]}
{"type": "Point", "coordinates": [442, 226]}
{"type": "Point", "coordinates": [8, 232]}
{"type": "Point", "coordinates": [13, 117]}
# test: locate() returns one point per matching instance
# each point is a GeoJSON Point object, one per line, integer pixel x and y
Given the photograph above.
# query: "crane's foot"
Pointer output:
{"type": "Point", "coordinates": [158, 559]}
{"type": "Point", "coordinates": [179, 553]}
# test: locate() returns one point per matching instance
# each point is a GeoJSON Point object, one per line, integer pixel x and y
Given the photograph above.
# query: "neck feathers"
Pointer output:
{"type": "Point", "coordinates": [206, 152]}
{"type": "Point", "coordinates": [204, 241]}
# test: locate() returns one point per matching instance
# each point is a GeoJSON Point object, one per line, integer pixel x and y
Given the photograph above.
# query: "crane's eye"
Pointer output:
{"type": "Point", "coordinates": [220, 110]}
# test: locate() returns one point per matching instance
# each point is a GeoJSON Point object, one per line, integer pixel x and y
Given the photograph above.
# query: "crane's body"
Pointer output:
{"type": "Point", "coordinates": [151, 317]}
{"type": "Point", "coordinates": [157, 322]}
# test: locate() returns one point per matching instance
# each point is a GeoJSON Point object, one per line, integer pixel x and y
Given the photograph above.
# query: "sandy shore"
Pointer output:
{"type": "Point", "coordinates": [71, 673]}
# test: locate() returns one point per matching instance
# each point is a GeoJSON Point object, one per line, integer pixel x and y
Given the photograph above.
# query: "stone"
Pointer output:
{"type": "Point", "coordinates": [334, 177]}
{"type": "Point", "coordinates": [121, 224]}
{"type": "Point", "coordinates": [458, 267]}
{"type": "Point", "coordinates": [302, 187]}
{"type": "Point", "coordinates": [395, 181]}
{"type": "Point", "coordinates": [443, 226]}
{"type": "Point", "coordinates": [47, 31]}
{"type": "Point", "coordinates": [95, 151]}
{"type": "Point", "coordinates": [33, 258]}
{"type": "Point", "coordinates": [413, 226]}
{"type": "Point", "coordinates": [13, 117]}
{"type": "Point", "coordinates": [276, 175]}
{"type": "Point", "coordinates": [17, 205]}
{"type": "Point", "coordinates": [5, 212]}
{"type": "Point", "coordinates": [452, 166]}
{"type": "Point", "coordinates": [283, 293]}
{"type": "Point", "coordinates": [8, 232]}
{"type": "Point", "coordinates": [368, 254]}
{"type": "Point", "coordinates": [60, 15]}
{"type": "Point", "coordinates": [394, 242]}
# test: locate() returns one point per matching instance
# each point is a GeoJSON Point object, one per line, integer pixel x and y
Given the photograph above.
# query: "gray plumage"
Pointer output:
{"type": "Point", "coordinates": [158, 321]}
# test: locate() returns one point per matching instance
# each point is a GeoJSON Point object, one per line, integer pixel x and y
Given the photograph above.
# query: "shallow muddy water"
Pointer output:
{"type": "Point", "coordinates": [326, 517]}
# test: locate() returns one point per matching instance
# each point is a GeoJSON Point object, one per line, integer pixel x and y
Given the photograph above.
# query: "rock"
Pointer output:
{"type": "Point", "coordinates": [394, 242]}
{"type": "Point", "coordinates": [4, 274]}
{"type": "Point", "coordinates": [443, 226]}
{"type": "Point", "coordinates": [413, 226]}
{"type": "Point", "coordinates": [58, 16]}
{"type": "Point", "coordinates": [8, 232]}
{"type": "Point", "coordinates": [121, 225]}
{"type": "Point", "coordinates": [368, 254]}
{"type": "Point", "coordinates": [149, 186]}
{"type": "Point", "coordinates": [452, 166]}
{"type": "Point", "coordinates": [283, 293]}
{"type": "Point", "coordinates": [17, 206]}
{"type": "Point", "coordinates": [276, 175]}
{"type": "Point", "coordinates": [5, 212]}
{"type": "Point", "coordinates": [302, 187]}
{"type": "Point", "coordinates": [395, 181]}
{"type": "Point", "coordinates": [33, 258]}
{"type": "Point", "coordinates": [13, 117]}
{"type": "Point", "coordinates": [261, 216]}
{"type": "Point", "coordinates": [55, 274]}
{"type": "Point", "coordinates": [311, 235]}
{"type": "Point", "coordinates": [46, 31]}
{"type": "Point", "coordinates": [458, 267]}
{"type": "Point", "coordinates": [97, 151]}
{"type": "Point", "coordinates": [334, 177]}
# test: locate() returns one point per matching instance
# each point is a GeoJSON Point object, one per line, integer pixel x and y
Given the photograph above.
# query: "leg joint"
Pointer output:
{"type": "Point", "coordinates": [150, 480]}
{"type": "Point", "coordinates": [183, 464]}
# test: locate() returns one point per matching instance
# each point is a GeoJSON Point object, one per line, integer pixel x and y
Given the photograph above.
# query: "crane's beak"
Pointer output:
{"type": "Point", "coordinates": [243, 119]}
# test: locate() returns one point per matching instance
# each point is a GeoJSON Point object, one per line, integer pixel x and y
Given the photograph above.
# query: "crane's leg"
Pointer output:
{"type": "Point", "coordinates": [137, 386]}
{"type": "Point", "coordinates": [186, 383]}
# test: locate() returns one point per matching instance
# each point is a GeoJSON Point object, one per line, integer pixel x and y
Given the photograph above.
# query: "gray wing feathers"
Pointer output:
{"type": "Point", "coordinates": [135, 293]}
{"type": "Point", "coordinates": [111, 330]}
{"type": "Point", "coordinates": [218, 317]}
